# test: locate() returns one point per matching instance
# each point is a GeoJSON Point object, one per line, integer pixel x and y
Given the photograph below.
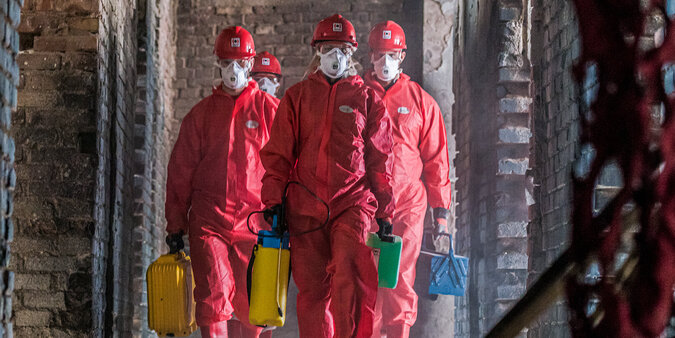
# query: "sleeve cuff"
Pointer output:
{"type": "Point", "coordinates": [441, 213]}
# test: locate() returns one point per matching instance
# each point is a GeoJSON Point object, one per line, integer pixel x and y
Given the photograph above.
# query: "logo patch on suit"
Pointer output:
{"type": "Point", "coordinates": [346, 109]}
{"type": "Point", "coordinates": [403, 110]}
{"type": "Point", "coordinates": [250, 124]}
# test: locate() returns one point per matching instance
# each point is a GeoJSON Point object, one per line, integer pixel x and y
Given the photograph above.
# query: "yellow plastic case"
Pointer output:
{"type": "Point", "coordinates": [171, 305]}
{"type": "Point", "coordinates": [267, 302]}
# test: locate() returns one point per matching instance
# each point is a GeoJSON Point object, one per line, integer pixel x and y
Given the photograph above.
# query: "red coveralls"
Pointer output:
{"type": "Point", "coordinates": [214, 174]}
{"type": "Point", "coordinates": [336, 140]}
{"type": "Point", "coordinates": [421, 177]}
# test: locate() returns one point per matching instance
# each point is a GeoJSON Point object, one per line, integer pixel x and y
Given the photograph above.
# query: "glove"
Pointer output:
{"type": "Point", "coordinates": [385, 227]}
{"type": "Point", "coordinates": [440, 242]}
{"type": "Point", "coordinates": [175, 242]}
{"type": "Point", "coordinates": [270, 212]}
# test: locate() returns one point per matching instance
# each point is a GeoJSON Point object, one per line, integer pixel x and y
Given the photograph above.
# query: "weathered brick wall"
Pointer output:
{"type": "Point", "coordinates": [559, 101]}
{"type": "Point", "coordinates": [492, 123]}
{"type": "Point", "coordinates": [9, 80]}
{"type": "Point", "coordinates": [556, 46]}
{"type": "Point", "coordinates": [513, 185]}
{"type": "Point", "coordinates": [75, 131]}
{"type": "Point", "coordinates": [78, 271]}
{"type": "Point", "coordinates": [285, 30]}
{"type": "Point", "coordinates": [165, 124]}
{"type": "Point", "coordinates": [474, 160]}
{"type": "Point", "coordinates": [462, 121]}
{"type": "Point", "coordinates": [112, 250]}
{"type": "Point", "coordinates": [156, 66]}
{"type": "Point", "coordinates": [55, 133]}
{"type": "Point", "coordinates": [143, 216]}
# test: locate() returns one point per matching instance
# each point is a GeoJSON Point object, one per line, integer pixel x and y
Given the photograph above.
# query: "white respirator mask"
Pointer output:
{"type": "Point", "coordinates": [234, 76]}
{"type": "Point", "coordinates": [386, 68]}
{"type": "Point", "coordinates": [334, 63]}
{"type": "Point", "coordinates": [268, 86]}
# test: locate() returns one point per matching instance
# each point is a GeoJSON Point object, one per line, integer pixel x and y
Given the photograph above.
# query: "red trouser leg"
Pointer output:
{"type": "Point", "coordinates": [214, 281]}
{"type": "Point", "coordinates": [240, 254]}
{"type": "Point", "coordinates": [266, 334]}
{"type": "Point", "coordinates": [238, 329]}
{"type": "Point", "coordinates": [377, 317]}
{"type": "Point", "coordinates": [399, 305]}
{"type": "Point", "coordinates": [354, 282]}
{"type": "Point", "coordinates": [398, 331]}
{"type": "Point", "coordinates": [310, 255]}
{"type": "Point", "coordinates": [214, 330]}
{"type": "Point", "coordinates": [234, 328]}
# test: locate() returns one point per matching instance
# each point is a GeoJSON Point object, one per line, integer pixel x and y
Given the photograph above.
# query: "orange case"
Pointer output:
{"type": "Point", "coordinates": [171, 305]}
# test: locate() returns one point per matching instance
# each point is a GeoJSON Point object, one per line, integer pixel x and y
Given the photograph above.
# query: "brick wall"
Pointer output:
{"type": "Point", "coordinates": [492, 123]}
{"type": "Point", "coordinates": [113, 274]}
{"type": "Point", "coordinates": [513, 181]}
{"type": "Point", "coordinates": [463, 121]}
{"type": "Point", "coordinates": [556, 132]}
{"type": "Point", "coordinates": [78, 272]}
{"type": "Point", "coordinates": [558, 153]}
{"type": "Point", "coordinates": [165, 124]}
{"type": "Point", "coordinates": [155, 67]}
{"type": "Point", "coordinates": [9, 80]}
{"type": "Point", "coordinates": [143, 216]}
{"type": "Point", "coordinates": [284, 29]}
{"type": "Point", "coordinates": [470, 113]}
{"type": "Point", "coordinates": [55, 135]}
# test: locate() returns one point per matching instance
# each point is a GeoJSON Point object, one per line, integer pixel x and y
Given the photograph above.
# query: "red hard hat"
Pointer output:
{"type": "Point", "coordinates": [266, 63]}
{"type": "Point", "coordinates": [387, 35]}
{"type": "Point", "coordinates": [234, 42]}
{"type": "Point", "coordinates": [335, 28]}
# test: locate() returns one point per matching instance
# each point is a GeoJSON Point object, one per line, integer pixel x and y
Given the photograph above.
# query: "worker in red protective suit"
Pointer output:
{"type": "Point", "coordinates": [332, 135]}
{"type": "Point", "coordinates": [421, 170]}
{"type": "Point", "coordinates": [267, 72]}
{"type": "Point", "coordinates": [213, 184]}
